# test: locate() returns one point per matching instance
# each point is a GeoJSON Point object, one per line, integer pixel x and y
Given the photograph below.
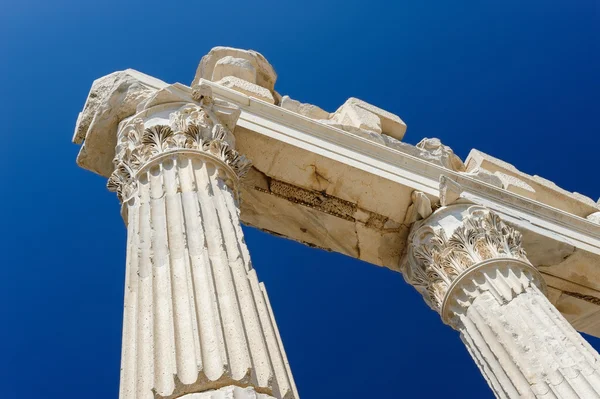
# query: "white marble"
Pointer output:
{"type": "Point", "coordinates": [471, 268]}
{"type": "Point", "coordinates": [371, 173]}
{"type": "Point", "coordinates": [343, 181]}
{"type": "Point", "coordinates": [196, 317]}
{"type": "Point", "coordinates": [534, 187]}
{"type": "Point", "coordinates": [229, 392]}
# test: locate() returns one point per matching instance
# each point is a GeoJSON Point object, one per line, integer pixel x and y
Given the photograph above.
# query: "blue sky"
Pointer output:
{"type": "Point", "coordinates": [519, 80]}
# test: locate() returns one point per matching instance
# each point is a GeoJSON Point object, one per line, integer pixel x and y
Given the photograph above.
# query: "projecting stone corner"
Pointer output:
{"type": "Point", "coordinates": [533, 187]}
{"type": "Point", "coordinates": [112, 99]}
{"type": "Point", "coordinates": [357, 116]}
{"type": "Point", "coordinates": [434, 151]}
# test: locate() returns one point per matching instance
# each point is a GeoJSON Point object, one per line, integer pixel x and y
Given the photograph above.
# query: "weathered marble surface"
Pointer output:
{"type": "Point", "coordinates": [534, 187]}
{"type": "Point", "coordinates": [230, 392]}
{"type": "Point", "coordinates": [112, 98]}
{"type": "Point", "coordinates": [345, 183]}
{"type": "Point", "coordinates": [472, 269]}
{"type": "Point", "coordinates": [196, 317]}
{"type": "Point", "coordinates": [247, 65]}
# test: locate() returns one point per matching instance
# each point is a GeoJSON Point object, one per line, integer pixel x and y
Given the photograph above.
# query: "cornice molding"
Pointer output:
{"type": "Point", "coordinates": [334, 143]}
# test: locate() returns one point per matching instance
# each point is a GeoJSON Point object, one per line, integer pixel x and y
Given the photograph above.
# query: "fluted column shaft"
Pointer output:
{"type": "Point", "coordinates": [196, 319]}
{"type": "Point", "coordinates": [471, 268]}
{"type": "Point", "coordinates": [230, 392]}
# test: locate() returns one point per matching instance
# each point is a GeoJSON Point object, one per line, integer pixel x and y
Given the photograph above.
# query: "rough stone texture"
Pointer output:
{"type": "Point", "coordinates": [316, 211]}
{"type": "Point", "coordinates": [354, 116]}
{"type": "Point", "coordinates": [486, 177]}
{"type": "Point", "coordinates": [310, 171]}
{"type": "Point", "coordinates": [231, 66]}
{"type": "Point", "coordinates": [320, 220]}
{"type": "Point", "coordinates": [358, 114]}
{"type": "Point", "coordinates": [227, 61]}
{"type": "Point", "coordinates": [436, 152]}
{"type": "Point", "coordinates": [515, 185]}
{"type": "Point", "coordinates": [537, 188]}
{"type": "Point", "coordinates": [244, 71]}
{"type": "Point", "coordinates": [308, 110]}
{"type": "Point", "coordinates": [112, 98]}
{"type": "Point", "coordinates": [247, 71]}
{"type": "Point", "coordinates": [526, 349]}
{"type": "Point", "coordinates": [249, 89]}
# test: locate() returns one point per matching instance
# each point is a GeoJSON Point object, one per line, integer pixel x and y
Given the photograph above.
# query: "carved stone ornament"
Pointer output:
{"type": "Point", "coordinates": [435, 259]}
{"type": "Point", "coordinates": [204, 128]}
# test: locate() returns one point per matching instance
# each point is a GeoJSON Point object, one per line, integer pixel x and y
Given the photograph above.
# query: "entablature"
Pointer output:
{"type": "Point", "coordinates": [340, 182]}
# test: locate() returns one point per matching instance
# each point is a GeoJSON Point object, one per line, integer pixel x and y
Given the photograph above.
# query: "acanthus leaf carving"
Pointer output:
{"type": "Point", "coordinates": [122, 182]}
{"type": "Point", "coordinates": [434, 261]}
{"type": "Point", "coordinates": [191, 127]}
{"type": "Point", "coordinates": [157, 139]}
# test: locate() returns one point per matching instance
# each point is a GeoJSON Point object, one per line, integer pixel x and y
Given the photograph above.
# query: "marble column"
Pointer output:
{"type": "Point", "coordinates": [197, 323]}
{"type": "Point", "coordinates": [471, 268]}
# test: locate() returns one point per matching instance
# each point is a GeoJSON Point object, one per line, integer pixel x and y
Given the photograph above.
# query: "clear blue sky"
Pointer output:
{"type": "Point", "coordinates": [516, 79]}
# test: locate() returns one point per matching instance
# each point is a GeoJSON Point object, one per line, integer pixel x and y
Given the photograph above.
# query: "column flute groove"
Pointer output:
{"type": "Point", "coordinates": [197, 322]}
{"type": "Point", "coordinates": [471, 268]}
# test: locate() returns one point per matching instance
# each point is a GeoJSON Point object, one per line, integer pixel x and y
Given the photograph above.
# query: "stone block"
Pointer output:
{"type": "Point", "coordinates": [231, 66]}
{"type": "Point", "coordinates": [438, 153]}
{"type": "Point", "coordinates": [515, 185]}
{"type": "Point", "coordinates": [545, 191]}
{"type": "Point", "coordinates": [308, 110]}
{"type": "Point", "coordinates": [248, 88]}
{"type": "Point", "coordinates": [112, 98]}
{"type": "Point", "coordinates": [358, 114]}
{"type": "Point", "coordinates": [227, 61]}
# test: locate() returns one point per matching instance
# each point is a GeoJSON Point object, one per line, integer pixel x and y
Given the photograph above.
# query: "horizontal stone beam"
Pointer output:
{"type": "Point", "coordinates": [346, 183]}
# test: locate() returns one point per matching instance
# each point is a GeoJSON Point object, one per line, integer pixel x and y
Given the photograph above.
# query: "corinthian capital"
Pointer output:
{"type": "Point", "coordinates": [455, 241]}
{"type": "Point", "coordinates": [202, 128]}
